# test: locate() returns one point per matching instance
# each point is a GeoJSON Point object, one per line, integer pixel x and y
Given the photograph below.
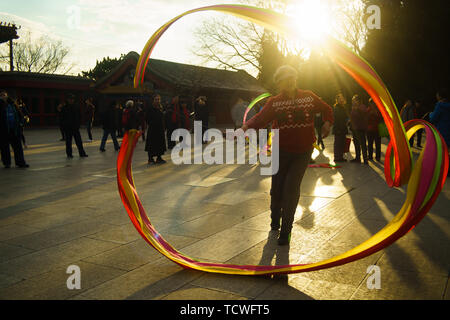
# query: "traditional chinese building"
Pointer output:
{"type": "Point", "coordinates": [43, 92]}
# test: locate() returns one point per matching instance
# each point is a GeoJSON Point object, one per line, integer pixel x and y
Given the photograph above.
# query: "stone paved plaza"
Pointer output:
{"type": "Point", "coordinates": [62, 212]}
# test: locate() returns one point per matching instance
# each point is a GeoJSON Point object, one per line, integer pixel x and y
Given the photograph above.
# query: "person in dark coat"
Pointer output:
{"type": "Point", "coordinates": [359, 118]}
{"type": "Point", "coordinates": [202, 114]}
{"type": "Point", "coordinates": [109, 127]}
{"type": "Point", "coordinates": [155, 144]}
{"type": "Point", "coordinates": [170, 125]}
{"type": "Point", "coordinates": [373, 136]}
{"type": "Point", "coordinates": [25, 119]}
{"type": "Point", "coordinates": [90, 111]}
{"type": "Point", "coordinates": [10, 118]}
{"type": "Point", "coordinates": [118, 117]}
{"type": "Point", "coordinates": [340, 131]}
{"type": "Point", "coordinates": [59, 115]}
{"type": "Point", "coordinates": [71, 121]}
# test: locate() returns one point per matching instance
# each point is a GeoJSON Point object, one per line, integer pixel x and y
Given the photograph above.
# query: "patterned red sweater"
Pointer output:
{"type": "Point", "coordinates": [294, 118]}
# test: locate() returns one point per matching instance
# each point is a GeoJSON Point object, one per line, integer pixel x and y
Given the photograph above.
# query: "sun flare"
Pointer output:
{"type": "Point", "coordinates": [312, 19]}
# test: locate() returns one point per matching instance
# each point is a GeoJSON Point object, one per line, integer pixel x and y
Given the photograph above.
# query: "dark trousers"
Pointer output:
{"type": "Point", "coordinates": [360, 142]}
{"type": "Point", "coordinates": [285, 189]}
{"type": "Point", "coordinates": [373, 136]}
{"type": "Point", "coordinates": [106, 133]}
{"type": "Point", "coordinates": [75, 133]}
{"type": "Point", "coordinates": [62, 132]}
{"type": "Point", "coordinates": [89, 128]}
{"type": "Point", "coordinates": [10, 139]}
{"type": "Point", "coordinates": [339, 146]}
{"type": "Point", "coordinates": [170, 143]}
{"type": "Point", "coordinates": [418, 136]}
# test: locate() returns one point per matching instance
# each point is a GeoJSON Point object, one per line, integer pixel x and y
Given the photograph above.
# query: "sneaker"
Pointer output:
{"type": "Point", "coordinates": [25, 165]}
{"type": "Point", "coordinates": [151, 161]}
{"type": "Point", "coordinates": [84, 155]}
{"type": "Point", "coordinates": [284, 239]}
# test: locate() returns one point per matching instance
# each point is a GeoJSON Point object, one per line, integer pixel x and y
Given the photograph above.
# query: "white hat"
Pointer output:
{"type": "Point", "coordinates": [129, 103]}
{"type": "Point", "coordinates": [284, 72]}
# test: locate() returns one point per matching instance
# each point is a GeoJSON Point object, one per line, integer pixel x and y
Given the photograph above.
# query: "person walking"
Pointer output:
{"type": "Point", "coordinates": [10, 118]}
{"type": "Point", "coordinates": [373, 136]}
{"type": "Point", "coordinates": [340, 131]}
{"type": "Point", "coordinates": [90, 111]}
{"type": "Point", "coordinates": [109, 127]}
{"type": "Point", "coordinates": [292, 111]}
{"type": "Point", "coordinates": [155, 145]}
{"type": "Point", "coordinates": [71, 121]}
{"type": "Point", "coordinates": [359, 118]}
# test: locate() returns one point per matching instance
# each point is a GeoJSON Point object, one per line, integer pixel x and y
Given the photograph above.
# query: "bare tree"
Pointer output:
{"type": "Point", "coordinates": [351, 24]}
{"type": "Point", "coordinates": [43, 55]}
{"type": "Point", "coordinates": [236, 44]}
{"type": "Point", "coordinates": [232, 46]}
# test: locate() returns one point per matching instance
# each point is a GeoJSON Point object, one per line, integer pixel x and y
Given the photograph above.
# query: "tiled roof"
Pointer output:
{"type": "Point", "coordinates": [185, 75]}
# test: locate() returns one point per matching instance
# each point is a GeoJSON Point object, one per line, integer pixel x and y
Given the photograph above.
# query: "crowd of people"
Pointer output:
{"type": "Point", "coordinates": [363, 122]}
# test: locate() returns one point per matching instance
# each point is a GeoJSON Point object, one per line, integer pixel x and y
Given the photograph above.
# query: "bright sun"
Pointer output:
{"type": "Point", "coordinates": [312, 19]}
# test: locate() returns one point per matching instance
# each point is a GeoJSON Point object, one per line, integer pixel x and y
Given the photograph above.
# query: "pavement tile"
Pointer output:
{"type": "Point", "coordinates": [42, 261]}
{"type": "Point", "coordinates": [53, 285]}
{"type": "Point", "coordinates": [72, 214]}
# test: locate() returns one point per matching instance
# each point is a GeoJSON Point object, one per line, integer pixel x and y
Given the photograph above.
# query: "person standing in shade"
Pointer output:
{"type": "Point", "coordinates": [202, 114]}
{"type": "Point", "coordinates": [109, 127]}
{"type": "Point", "coordinates": [292, 112]}
{"type": "Point", "coordinates": [130, 118]}
{"type": "Point", "coordinates": [119, 122]}
{"type": "Point", "coordinates": [420, 113]}
{"type": "Point", "coordinates": [71, 121]}
{"type": "Point", "coordinates": [374, 119]}
{"type": "Point", "coordinates": [359, 118]}
{"type": "Point", "coordinates": [10, 118]}
{"type": "Point", "coordinates": [155, 145]}
{"type": "Point", "coordinates": [25, 119]}
{"type": "Point", "coordinates": [408, 112]}
{"type": "Point", "coordinates": [440, 117]}
{"type": "Point", "coordinates": [340, 130]}
{"type": "Point", "coordinates": [60, 123]}
{"type": "Point", "coordinates": [90, 111]}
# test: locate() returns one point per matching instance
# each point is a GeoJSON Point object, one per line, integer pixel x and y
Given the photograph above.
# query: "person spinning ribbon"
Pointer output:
{"type": "Point", "coordinates": [292, 112]}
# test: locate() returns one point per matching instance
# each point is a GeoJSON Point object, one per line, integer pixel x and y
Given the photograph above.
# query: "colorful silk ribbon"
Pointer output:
{"type": "Point", "coordinates": [425, 178]}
